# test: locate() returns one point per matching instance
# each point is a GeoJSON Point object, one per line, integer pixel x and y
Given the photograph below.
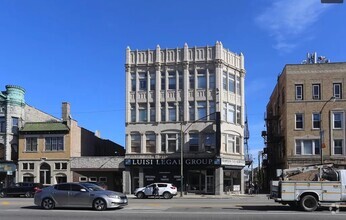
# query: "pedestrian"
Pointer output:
{"type": "Point", "coordinates": [157, 193]}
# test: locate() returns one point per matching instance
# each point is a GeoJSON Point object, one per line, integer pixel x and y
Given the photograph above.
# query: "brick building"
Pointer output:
{"type": "Point", "coordinates": [306, 112]}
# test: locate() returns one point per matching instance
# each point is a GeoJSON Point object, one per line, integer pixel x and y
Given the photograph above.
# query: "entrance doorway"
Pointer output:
{"type": "Point", "coordinates": [45, 173]}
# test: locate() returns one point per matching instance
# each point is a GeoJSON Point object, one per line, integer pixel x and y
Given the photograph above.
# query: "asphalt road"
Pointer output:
{"type": "Point", "coordinates": [257, 207]}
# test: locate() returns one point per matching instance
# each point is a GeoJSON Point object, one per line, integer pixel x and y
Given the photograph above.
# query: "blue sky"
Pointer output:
{"type": "Point", "coordinates": [63, 50]}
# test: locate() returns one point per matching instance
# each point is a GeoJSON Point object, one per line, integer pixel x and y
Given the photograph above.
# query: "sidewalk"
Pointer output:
{"type": "Point", "coordinates": [201, 196]}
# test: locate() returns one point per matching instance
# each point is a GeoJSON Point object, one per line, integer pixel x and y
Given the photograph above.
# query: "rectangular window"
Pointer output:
{"type": "Point", "coordinates": [230, 144]}
{"type": "Point", "coordinates": [201, 79]}
{"type": "Point", "coordinates": [231, 113]}
{"type": "Point", "coordinates": [15, 123]}
{"type": "Point", "coordinates": [224, 111]}
{"type": "Point", "coordinates": [237, 145]}
{"type": "Point", "coordinates": [152, 112]}
{"type": "Point", "coordinates": [142, 111]}
{"type": "Point", "coordinates": [238, 85]}
{"type": "Point", "coordinates": [54, 143]}
{"type": "Point", "coordinates": [307, 147]}
{"type": "Point", "coordinates": [163, 81]}
{"type": "Point", "coordinates": [209, 142]}
{"type": "Point", "coordinates": [201, 110]}
{"type": "Point", "coordinates": [224, 81]}
{"type": "Point", "coordinates": [338, 148]}
{"type": "Point", "coordinates": [135, 143]}
{"type": "Point", "coordinates": [211, 80]}
{"type": "Point", "coordinates": [239, 115]}
{"type": "Point", "coordinates": [31, 144]}
{"type": "Point", "coordinates": [337, 90]}
{"type": "Point", "coordinates": [192, 111]}
{"type": "Point", "coordinates": [133, 113]}
{"type": "Point", "coordinates": [25, 166]}
{"type": "Point", "coordinates": [181, 80]}
{"type": "Point", "coordinates": [92, 179]}
{"type": "Point", "coordinates": [316, 94]}
{"type": "Point", "coordinates": [316, 120]}
{"type": "Point", "coordinates": [83, 179]}
{"type": "Point", "coordinates": [31, 166]}
{"type": "Point", "coordinates": [212, 110]}
{"type": "Point", "coordinates": [142, 81]}
{"type": "Point", "coordinates": [172, 142]}
{"type": "Point", "coordinates": [2, 125]}
{"type": "Point", "coordinates": [337, 120]}
{"type": "Point", "coordinates": [172, 81]}
{"type": "Point", "coordinates": [152, 81]}
{"type": "Point", "coordinates": [172, 112]}
{"type": "Point", "coordinates": [299, 92]}
{"type": "Point", "coordinates": [299, 121]}
{"type": "Point", "coordinates": [150, 143]}
{"type": "Point", "coordinates": [163, 142]}
{"type": "Point", "coordinates": [192, 79]}
{"type": "Point", "coordinates": [103, 179]}
{"type": "Point", "coordinates": [163, 111]}
{"type": "Point", "coordinates": [133, 81]}
{"type": "Point", "coordinates": [193, 142]}
{"type": "Point", "coordinates": [231, 83]}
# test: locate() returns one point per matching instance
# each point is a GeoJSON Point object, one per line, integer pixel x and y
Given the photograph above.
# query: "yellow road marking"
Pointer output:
{"type": "Point", "coordinates": [5, 203]}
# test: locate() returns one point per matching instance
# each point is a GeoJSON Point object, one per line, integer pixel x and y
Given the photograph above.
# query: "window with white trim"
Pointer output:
{"type": "Point", "coordinates": [150, 142]}
{"type": "Point", "coordinates": [163, 81]}
{"type": "Point", "coordinates": [135, 142]}
{"type": "Point", "coordinates": [28, 166]}
{"type": "Point", "coordinates": [142, 110]}
{"type": "Point", "coordinates": [307, 147]}
{"type": "Point", "coordinates": [224, 81]}
{"type": "Point", "coordinates": [60, 166]}
{"type": "Point", "coordinates": [316, 120]}
{"type": "Point", "coordinates": [337, 120]}
{"type": "Point", "coordinates": [133, 81]}
{"type": "Point", "coordinates": [337, 90]}
{"type": "Point", "coordinates": [316, 91]}
{"type": "Point", "coordinates": [170, 142]}
{"type": "Point", "coordinates": [83, 179]}
{"type": "Point", "coordinates": [231, 82]}
{"type": "Point", "coordinates": [299, 91]}
{"type": "Point", "coordinates": [338, 147]}
{"type": "Point", "coordinates": [299, 119]}
{"type": "Point", "coordinates": [92, 179]}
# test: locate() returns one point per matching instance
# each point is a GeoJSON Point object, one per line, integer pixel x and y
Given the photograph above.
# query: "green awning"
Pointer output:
{"type": "Point", "coordinates": [44, 126]}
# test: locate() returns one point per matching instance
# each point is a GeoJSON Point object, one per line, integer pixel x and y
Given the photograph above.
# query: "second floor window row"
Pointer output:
{"type": "Point", "coordinates": [316, 91]}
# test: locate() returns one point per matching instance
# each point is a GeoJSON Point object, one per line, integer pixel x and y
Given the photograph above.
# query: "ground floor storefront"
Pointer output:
{"type": "Point", "coordinates": [7, 174]}
{"type": "Point", "coordinates": [200, 175]}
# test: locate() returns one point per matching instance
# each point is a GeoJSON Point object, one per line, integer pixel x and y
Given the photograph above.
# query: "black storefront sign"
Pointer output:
{"type": "Point", "coordinates": [174, 162]}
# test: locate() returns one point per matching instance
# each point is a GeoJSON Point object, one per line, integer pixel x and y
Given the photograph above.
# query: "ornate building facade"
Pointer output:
{"type": "Point", "coordinates": [190, 99]}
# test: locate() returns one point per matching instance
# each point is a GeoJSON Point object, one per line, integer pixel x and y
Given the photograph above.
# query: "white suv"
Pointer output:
{"type": "Point", "coordinates": [166, 190]}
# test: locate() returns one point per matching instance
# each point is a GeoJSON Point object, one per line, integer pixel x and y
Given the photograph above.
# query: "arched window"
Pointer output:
{"type": "Point", "coordinates": [45, 171]}
{"type": "Point", "coordinates": [60, 178]}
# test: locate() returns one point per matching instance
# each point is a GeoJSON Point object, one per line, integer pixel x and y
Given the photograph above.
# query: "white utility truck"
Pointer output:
{"type": "Point", "coordinates": [317, 186]}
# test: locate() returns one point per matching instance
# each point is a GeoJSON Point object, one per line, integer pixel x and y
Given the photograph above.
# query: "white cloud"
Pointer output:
{"type": "Point", "coordinates": [287, 21]}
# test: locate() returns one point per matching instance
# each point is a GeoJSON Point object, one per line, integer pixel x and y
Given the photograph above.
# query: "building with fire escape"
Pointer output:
{"type": "Point", "coordinates": [305, 117]}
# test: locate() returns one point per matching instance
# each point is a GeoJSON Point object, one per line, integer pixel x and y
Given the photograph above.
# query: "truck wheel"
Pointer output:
{"type": "Point", "coordinates": [309, 203]}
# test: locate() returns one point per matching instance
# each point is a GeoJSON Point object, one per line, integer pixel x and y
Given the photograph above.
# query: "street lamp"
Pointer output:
{"type": "Point", "coordinates": [321, 131]}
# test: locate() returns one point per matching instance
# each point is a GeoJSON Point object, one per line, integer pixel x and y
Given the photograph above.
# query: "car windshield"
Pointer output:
{"type": "Point", "coordinates": [92, 187]}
